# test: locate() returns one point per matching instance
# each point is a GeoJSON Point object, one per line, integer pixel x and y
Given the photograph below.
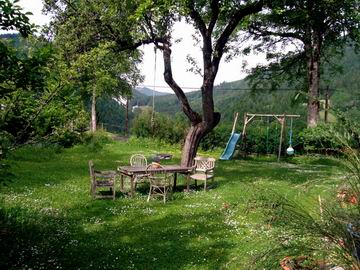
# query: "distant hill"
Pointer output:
{"type": "Point", "coordinates": [231, 97]}
{"type": "Point", "coordinates": [149, 92]}
{"type": "Point", "coordinates": [15, 39]}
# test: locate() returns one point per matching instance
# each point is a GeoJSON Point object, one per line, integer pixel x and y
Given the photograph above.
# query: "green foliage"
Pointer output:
{"type": "Point", "coordinates": [103, 71]}
{"type": "Point", "coordinates": [12, 17]}
{"type": "Point", "coordinates": [338, 222]}
{"type": "Point", "coordinates": [111, 115]}
{"type": "Point", "coordinates": [171, 130]}
{"type": "Point", "coordinates": [37, 103]}
{"type": "Point", "coordinates": [321, 139]}
{"type": "Point", "coordinates": [88, 37]}
{"type": "Point", "coordinates": [24, 78]}
{"type": "Point", "coordinates": [217, 138]}
{"type": "Point", "coordinates": [96, 140]}
{"type": "Point", "coordinates": [283, 24]}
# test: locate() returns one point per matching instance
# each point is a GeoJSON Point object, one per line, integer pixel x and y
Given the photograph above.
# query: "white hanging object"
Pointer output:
{"type": "Point", "coordinates": [290, 151]}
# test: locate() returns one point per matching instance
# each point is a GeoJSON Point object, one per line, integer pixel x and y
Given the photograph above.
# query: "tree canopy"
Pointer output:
{"type": "Point", "coordinates": [130, 24]}
{"type": "Point", "coordinates": [314, 30]}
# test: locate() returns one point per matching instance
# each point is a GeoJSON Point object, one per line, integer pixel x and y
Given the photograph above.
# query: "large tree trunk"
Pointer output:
{"type": "Point", "coordinates": [93, 112]}
{"type": "Point", "coordinates": [192, 141]}
{"type": "Point", "coordinates": [313, 101]}
{"type": "Point", "coordinates": [313, 107]}
{"type": "Point", "coordinates": [194, 136]}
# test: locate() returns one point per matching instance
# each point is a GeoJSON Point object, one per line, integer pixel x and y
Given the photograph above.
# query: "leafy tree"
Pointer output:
{"type": "Point", "coordinates": [36, 103]}
{"type": "Point", "coordinates": [133, 23]}
{"type": "Point", "coordinates": [95, 63]}
{"type": "Point", "coordinates": [13, 18]}
{"type": "Point", "coordinates": [316, 29]}
{"type": "Point", "coordinates": [100, 72]}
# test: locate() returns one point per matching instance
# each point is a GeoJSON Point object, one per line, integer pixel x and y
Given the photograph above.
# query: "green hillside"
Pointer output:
{"type": "Point", "coordinates": [346, 86]}
{"type": "Point", "coordinates": [231, 97]}
{"type": "Point", "coordinates": [235, 97]}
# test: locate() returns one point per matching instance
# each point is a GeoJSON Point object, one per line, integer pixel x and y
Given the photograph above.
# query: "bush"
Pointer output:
{"type": "Point", "coordinates": [171, 130]}
{"type": "Point", "coordinates": [6, 141]}
{"type": "Point", "coordinates": [96, 140]}
{"type": "Point", "coordinates": [320, 139]}
{"type": "Point", "coordinates": [218, 137]}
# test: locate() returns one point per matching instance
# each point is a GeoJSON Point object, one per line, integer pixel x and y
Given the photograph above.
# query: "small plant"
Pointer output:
{"type": "Point", "coordinates": [96, 141]}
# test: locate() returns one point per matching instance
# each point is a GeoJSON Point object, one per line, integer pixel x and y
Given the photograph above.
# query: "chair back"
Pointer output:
{"type": "Point", "coordinates": [138, 160]}
{"type": "Point", "coordinates": [92, 171]}
{"type": "Point", "coordinates": [157, 175]}
{"type": "Point", "coordinates": [204, 163]}
{"type": "Point", "coordinates": [101, 179]}
{"type": "Point", "coordinates": [99, 175]}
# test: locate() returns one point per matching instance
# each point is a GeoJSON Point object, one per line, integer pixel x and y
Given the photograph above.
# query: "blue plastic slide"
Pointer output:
{"type": "Point", "coordinates": [230, 147]}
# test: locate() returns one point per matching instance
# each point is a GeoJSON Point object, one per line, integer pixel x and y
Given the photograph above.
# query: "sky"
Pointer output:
{"type": "Point", "coordinates": [228, 72]}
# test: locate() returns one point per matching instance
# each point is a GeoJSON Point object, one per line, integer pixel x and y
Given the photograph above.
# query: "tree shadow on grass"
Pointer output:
{"type": "Point", "coordinates": [121, 236]}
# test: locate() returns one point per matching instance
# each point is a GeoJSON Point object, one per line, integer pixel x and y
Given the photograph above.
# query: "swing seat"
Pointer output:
{"type": "Point", "coordinates": [290, 151]}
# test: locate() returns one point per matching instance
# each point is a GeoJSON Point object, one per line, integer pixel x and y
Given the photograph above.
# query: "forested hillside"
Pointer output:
{"type": "Point", "coordinates": [237, 96]}
{"type": "Point", "coordinates": [346, 86]}
{"type": "Point", "coordinates": [231, 97]}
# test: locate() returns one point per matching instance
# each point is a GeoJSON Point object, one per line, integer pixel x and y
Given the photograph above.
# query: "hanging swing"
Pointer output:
{"type": "Point", "coordinates": [153, 96]}
{"type": "Point", "coordinates": [290, 151]}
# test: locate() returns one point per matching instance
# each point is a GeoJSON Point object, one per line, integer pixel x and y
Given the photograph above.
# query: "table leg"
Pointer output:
{"type": "Point", "coordinates": [175, 179]}
{"type": "Point", "coordinates": [188, 182]}
{"type": "Point", "coordinates": [121, 182]}
{"type": "Point", "coordinates": [132, 186]}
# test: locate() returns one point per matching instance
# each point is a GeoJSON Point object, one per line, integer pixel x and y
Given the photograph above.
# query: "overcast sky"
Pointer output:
{"type": "Point", "coordinates": [227, 72]}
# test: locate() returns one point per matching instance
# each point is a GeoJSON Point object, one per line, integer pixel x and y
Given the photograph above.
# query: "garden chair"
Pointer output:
{"type": "Point", "coordinates": [203, 170]}
{"type": "Point", "coordinates": [160, 182]}
{"type": "Point", "coordinates": [101, 180]}
{"type": "Point", "coordinates": [138, 160]}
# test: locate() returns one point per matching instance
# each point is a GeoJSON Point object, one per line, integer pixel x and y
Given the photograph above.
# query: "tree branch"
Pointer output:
{"type": "Point", "coordinates": [262, 33]}
{"type": "Point", "coordinates": [200, 24]}
{"type": "Point", "coordinates": [214, 15]}
{"type": "Point", "coordinates": [230, 27]}
{"type": "Point", "coordinates": [193, 116]}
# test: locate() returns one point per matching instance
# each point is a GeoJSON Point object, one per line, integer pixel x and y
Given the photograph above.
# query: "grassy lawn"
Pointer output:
{"type": "Point", "coordinates": [49, 221]}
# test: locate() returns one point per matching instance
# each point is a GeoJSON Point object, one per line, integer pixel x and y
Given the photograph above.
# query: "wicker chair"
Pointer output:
{"type": "Point", "coordinates": [160, 182]}
{"type": "Point", "coordinates": [138, 160]}
{"type": "Point", "coordinates": [101, 180]}
{"type": "Point", "coordinates": [203, 170]}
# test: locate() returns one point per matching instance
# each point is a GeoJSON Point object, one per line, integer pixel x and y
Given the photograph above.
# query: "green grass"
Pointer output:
{"type": "Point", "coordinates": [49, 221]}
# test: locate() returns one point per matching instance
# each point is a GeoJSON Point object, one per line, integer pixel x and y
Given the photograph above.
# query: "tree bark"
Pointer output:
{"type": "Point", "coordinates": [192, 141]}
{"type": "Point", "coordinates": [326, 114]}
{"type": "Point", "coordinates": [313, 54]}
{"type": "Point", "coordinates": [93, 112]}
{"type": "Point", "coordinates": [313, 100]}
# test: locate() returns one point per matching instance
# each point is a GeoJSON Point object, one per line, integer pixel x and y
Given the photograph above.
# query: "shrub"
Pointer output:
{"type": "Point", "coordinates": [6, 141]}
{"type": "Point", "coordinates": [218, 137]}
{"type": "Point", "coordinates": [320, 139]}
{"type": "Point", "coordinates": [171, 130]}
{"type": "Point", "coordinates": [96, 140]}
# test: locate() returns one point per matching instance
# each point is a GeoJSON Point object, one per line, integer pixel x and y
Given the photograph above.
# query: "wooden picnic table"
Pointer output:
{"type": "Point", "coordinates": [132, 172]}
